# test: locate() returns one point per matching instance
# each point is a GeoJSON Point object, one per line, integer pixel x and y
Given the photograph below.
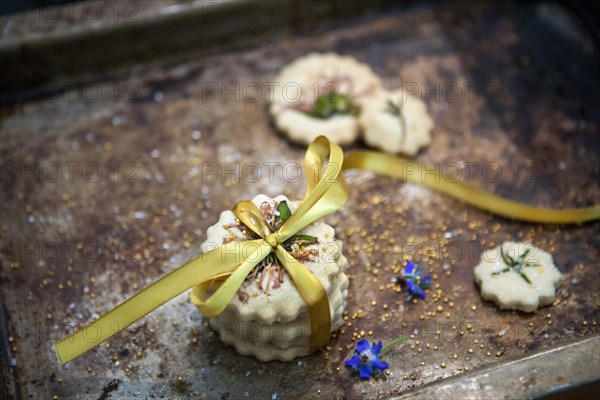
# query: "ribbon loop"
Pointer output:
{"type": "Point", "coordinates": [257, 250]}
{"type": "Point", "coordinates": [251, 216]}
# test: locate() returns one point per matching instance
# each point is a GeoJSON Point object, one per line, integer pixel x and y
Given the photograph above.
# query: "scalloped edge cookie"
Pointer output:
{"type": "Point", "coordinates": [508, 289]}
{"type": "Point", "coordinates": [385, 130]}
{"type": "Point", "coordinates": [311, 74]}
{"type": "Point", "coordinates": [276, 326]}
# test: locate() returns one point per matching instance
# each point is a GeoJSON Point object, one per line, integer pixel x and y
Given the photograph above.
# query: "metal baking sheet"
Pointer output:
{"type": "Point", "coordinates": [108, 184]}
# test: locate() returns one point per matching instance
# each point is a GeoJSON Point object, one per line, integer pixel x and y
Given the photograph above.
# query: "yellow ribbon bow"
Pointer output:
{"type": "Point", "coordinates": [232, 262]}
{"type": "Point", "coordinates": [326, 192]}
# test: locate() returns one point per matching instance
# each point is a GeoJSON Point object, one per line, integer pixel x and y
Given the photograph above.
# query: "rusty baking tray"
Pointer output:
{"type": "Point", "coordinates": [103, 191]}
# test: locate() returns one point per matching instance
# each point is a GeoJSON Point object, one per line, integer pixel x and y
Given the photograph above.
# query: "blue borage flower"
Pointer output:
{"type": "Point", "coordinates": [415, 279]}
{"type": "Point", "coordinates": [366, 359]}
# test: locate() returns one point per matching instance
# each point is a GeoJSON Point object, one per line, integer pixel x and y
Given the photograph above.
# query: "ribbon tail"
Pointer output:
{"type": "Point", "coordinates": [410, 171]}
{"type": "Point", "coordinates": [221, 260]}
{"type": "Point", "coordinates": [314, 295]}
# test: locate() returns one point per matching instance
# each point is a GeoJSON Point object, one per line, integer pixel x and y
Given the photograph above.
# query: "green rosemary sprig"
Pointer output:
{"type": "Point", "coordinates": [333, 103]}
{"type": "Point", "coordinates": [304, 240]}
{"type": "Point", "coordinates": [270, 259]}
{"type": "Point", "coordinates": [284, 211]}
{"type": "Point", "coordinates": [517, 265]}
{"type": "Point", "coordinates": [396, 110]}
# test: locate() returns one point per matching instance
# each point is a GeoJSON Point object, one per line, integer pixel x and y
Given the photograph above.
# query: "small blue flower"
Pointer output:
{"type": "Point", "coordinates": [415, 279]}
{"type": "Point", "coordinates": [365, 360]}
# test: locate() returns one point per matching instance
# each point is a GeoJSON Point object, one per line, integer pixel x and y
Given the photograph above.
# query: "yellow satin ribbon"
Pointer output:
{"type": "Point", "coordinates": [410, 171]}
{"type": "Point", "coordinates": [326, 192]}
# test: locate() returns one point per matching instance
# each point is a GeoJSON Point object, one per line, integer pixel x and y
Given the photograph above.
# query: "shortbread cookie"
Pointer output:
{"type": "Point", "coordinates": [321, 94]}
{"type": "Point", "coordinates": [517, 276]}
{"type": "Point", "coordinates": [395, 122]}
{"type": "Point", "coordinates": [268, 318]}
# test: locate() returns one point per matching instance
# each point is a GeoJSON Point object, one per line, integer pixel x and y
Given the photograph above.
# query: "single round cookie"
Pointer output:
{"type": "Point", "coordinates": [268, 318]}
{"type": "Point", "coordinates": [395, 122]}
{"type": "Point", "coordinates": [321, 94]}
{"type": "Point", "coordinates": [517, 276]}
